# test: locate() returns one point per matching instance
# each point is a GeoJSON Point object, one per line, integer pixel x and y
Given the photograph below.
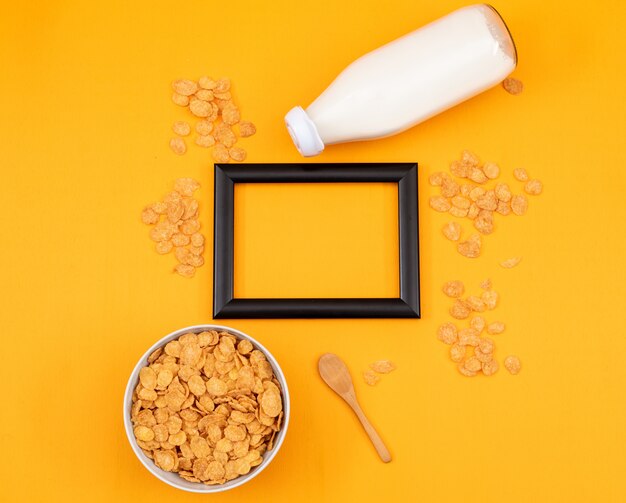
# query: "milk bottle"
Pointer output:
{"type": "Point", "coordinates": [408, 80]}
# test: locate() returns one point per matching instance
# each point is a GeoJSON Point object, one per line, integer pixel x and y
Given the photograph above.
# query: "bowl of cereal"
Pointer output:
{"type": "Point", "coordinates": [206, 408]}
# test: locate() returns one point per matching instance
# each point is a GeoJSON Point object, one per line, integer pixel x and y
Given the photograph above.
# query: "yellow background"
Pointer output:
{"type": "Point", "coordinates": [85, 124]}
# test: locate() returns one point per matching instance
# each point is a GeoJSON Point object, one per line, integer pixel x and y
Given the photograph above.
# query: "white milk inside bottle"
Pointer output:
{"type": "Point", "coordinates": [408, 80]}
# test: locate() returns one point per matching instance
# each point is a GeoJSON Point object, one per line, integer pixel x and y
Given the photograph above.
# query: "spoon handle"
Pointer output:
{"type": "Point", "coordinates": [380, 446]}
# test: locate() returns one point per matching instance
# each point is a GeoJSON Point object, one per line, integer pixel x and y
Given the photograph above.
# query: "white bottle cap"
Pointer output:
{"type": "Point", "coordinates": [303, 132]}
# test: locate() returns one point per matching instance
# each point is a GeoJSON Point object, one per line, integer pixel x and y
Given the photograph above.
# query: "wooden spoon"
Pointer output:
{"type": "Point", "coordinates": [335, 373]}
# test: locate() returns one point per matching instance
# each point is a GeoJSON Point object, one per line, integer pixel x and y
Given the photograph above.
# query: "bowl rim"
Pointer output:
{"type": "Point", "coordinates": [149, 464]}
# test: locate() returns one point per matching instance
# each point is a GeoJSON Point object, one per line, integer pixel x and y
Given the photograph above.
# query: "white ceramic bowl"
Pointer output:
{"type": "Point", "coordinates": [172, 478]}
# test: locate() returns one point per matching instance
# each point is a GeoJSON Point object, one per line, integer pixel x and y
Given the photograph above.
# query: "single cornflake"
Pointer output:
{"type": "Point", "coordinates": [476, 304]}
{"type": "Point", "coordinates": [486, 345]}
{"type": "Point", "coordinates": [471, 247]}
{"type": "Point", "coordinates": [521, 174]}
{"type": "Point", "coordinates": [458, 212]}
{"type": "Point", "coordinates": [461, 202]}
{"type": "Point", "coordinates": [512, 364]}
{"type": "Point", "coordinates": [476, 192]}
{"type": "Point", "coordinates": [164, 247]}
{"type": "Point", "coordinates": [460, 310]}
{"type": "Point", "coordinates": [204, 127]}
{"type": "Point", "coordinates": [204, 95]}
{"type": "Point", "coordinates": [490, 367]}
{"type": "Point", "coordinates": [503, 208]}
{"type": "Point", "coordinates": [457, 353]}
{"type": "Point", "coordinates": [246, 129]}
{"type": "Point", "coordinates": [481, 356]}
{"type": "Point", "coordinates": [230, 114]}
{"type": "Point", "coordinates": [513, 86]}
{"type": "Point", "coordinates": [453, 288]}
{"type": "Point", "coordinates": [478, 323]}
{"type": "Point", "coordinates": [186, 186]}
{"type": "Point", "coordinates": [185, 270]}
{"type": "Point", "coordinates": [207, 83]}
{"type": "Point", "coordinates": [180, 239]}
{"type": "Point", "coordinates": [222, 85]}
{"type": "Point", "coordinates": [178, 146]}
{"type": "Point", "coordinates": [473, 211]}
{"type": "Point", "coordinates": [237, 154]}
{"type": "Point", "coordinates": [503, 192]}
{"type": "Point", "coordinates": [486, 284]}
{"type": "Point", "coordinates": [533, 187]}
{"type": "Point", "coordinates": [483, 223]}
{"type": "Point", "coordinates": [197, 239]}
{"type": "Point", "coordinates": [488, 201]}
{"type": "Point", "coordinates": [205, 141]}
{"type": "Point", "coordinates": [149, 216]}
{"type": "Point", "coordinates": [370, 377]}
{"type": "Point", "coordinates": [473, 364]}
{"type": "Point", "coordinates": [447, 333]}
{"type": "Point", "coordinates": [181, 128]}
{"type": "Point", "coordinates": [477, 175]}
{"type": "Point", "coordinates": [220, 153]}
{"type": "Point", "coordinates": [491, 298]}
{"type": "Point", "coordinates": [464, 370]}
{"type": "Point", "coordinates": [492, 170]}
{"type": "Point", "coordinates": [439, 203]}
{"type": "Point", "coordinates": [511, 262]}
{"type": "Point", "coordinates": [519, 204]}
{"type": "Point", "coordinates": [200, 108]}
{"type": "Point", "coordinates": [452, 231]}
{"type": "Point", "coordinates": [469, 158]}
{"type": "Point", "coordinates": [449, 188]}
{"type": "Point", "coordinates": [185, 87]}
{"type": "Point", "coordinates": [468, 337]}
{"type": "Point", "coordinates": [382, 366]}
{"type": "Point", "coordinates": [497, 327]}
{"type": "Point", "coordinates": [224, 135]}
{"type": "Point", "coordinates": [180, 100]}
{"type": "Point", "coordinates": [459, 168]}
{"type": "Point", "coordinates": [435, 179]}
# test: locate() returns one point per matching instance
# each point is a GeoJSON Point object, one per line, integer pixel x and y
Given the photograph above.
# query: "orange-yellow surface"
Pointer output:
{"type": "Point", "coordinates": [86, 116]}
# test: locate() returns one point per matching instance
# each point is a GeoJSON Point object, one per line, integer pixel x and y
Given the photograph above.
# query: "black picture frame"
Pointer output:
{"type": "Point", "coordinates": [225, 305]}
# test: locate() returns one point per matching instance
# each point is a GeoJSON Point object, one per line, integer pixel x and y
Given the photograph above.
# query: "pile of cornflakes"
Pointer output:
{"type": "Point", "coordinates": [176, 226]}
{"type": "Point", "coordinates": [468, 349]}
{"type": "Point", "coordinates": [372, 375]}
{"type": "Point", "coordinates": [474, 200]}
{"type": "Point", "coordinates": [211, 102]}
{"type": "Point", "coordinates": [207, 406]}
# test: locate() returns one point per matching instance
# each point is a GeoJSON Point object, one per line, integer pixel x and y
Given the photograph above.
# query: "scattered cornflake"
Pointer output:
{"type": "Point", "coordinates": [370, 377]}
{"type": "Point", "coordinates": [382, 366]}
{"type": "Point", "coordinates": [439, 203]}
{"type": "Point", "coordinates": [246, 129]}
{"type": "Point", "coordinates": [491, 170]}
{"type": "Point", "coordinates": [465, 371]}
{"type": "Point", "coordinates": [220, 153]}
{"type": "Point", "coordinates": [460, 310]}
{"type": "Point", "coordinates": [175, 225]}
{"type": "Point", "coordinates": [490, 298]}
{"type": "Point", "coordinates": [447, 333]}
{"type": "Point", "coordinates": [181, 128]}
{"type": "Point", "coordinates": [471, 247]}
{"type": "Point", "coordinates": [497, 327]}
{"type": "Point", "coordinates": [486, 284]}
{"type": "Point", "coordinates": [205, 141]}
{"type": "Point", "coordinates": [452, 230]}
{"type": "Point", "coordinates": [207, 408]}
{"type": "Point", "coordinates": [453, 289]}
{"type": "Point", "coordinates": [185, 87]}
{"type": "Point", "coordinates": [237, 154]}
{"type": "Point", "coordinates": [457, 353]}
{"type": "Point", "coordinates": [178, 146]}
{"type": "Point", "coordinates": [435, 179]}
{"type": "Point", "coordinates": [491, 367]}
{"type": "Point", "coordinates": [513, 86]}
{"type": "Point", "coordinates": [519, 204]}
{"type": "Point", "coordinates": [533, 187]}
{"type": "Point", "coordinates": [478, 323]}
{"type": "Point", "coordinates": [521, 174]}
{"type": "Point", "coordinates": [204, 127]}
{"type": "Point", "coordinates": [512, 364]}
{"type": "Point", "coordinates": [180, 100]}
{"type": "Point", "coordinates": [511, 262]}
